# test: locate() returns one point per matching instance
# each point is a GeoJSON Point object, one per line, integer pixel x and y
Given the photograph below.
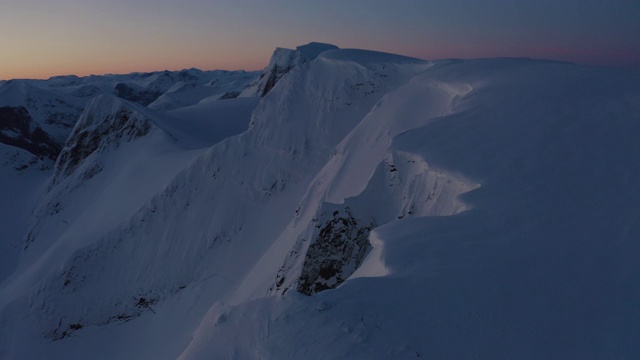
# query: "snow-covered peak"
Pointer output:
{"type": "Point", "coordinates": [64, 80]}
{"type": "Point", "coordinates": [282, 62]}
{"type": "Point", "coordinates": [367, 57]}
{"type": "Point", "coordinates": [106, 121]}
{"type": "Point", "coordinates": [313, 49]}
{"type": "Point", "coordinates": [283, 57]}
{"type": "Point", "coordinates": [100, 106]}
{"type": "Point", "coordinates": [51, 110]}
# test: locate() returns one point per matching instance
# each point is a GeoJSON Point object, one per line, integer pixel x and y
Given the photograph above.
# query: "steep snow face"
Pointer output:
{"type": "Point", "coordinates": [20, 174]}
{"type": "Point", "coordinates": [116, 159]}
{"type": "Point", "coordinates": [543, 265]}
{"type": "Point", "coordinates": [218, 216]}
{"type": "Point", "coordinates": [365, 184]}
{"type": "Point", "coordinates": [332, 246]}
{"type": "Point", "coordinates": [283, 61]}
{"type": "Point", "coordinates": [106, 123]}
{"type": "Point", "coordinates": [326, 100]}
{"type": "Point", "coordinates": [39, 116]}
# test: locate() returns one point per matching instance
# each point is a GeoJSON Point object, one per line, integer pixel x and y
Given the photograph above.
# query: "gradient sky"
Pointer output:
{"type": "Point", "coordinates": [42, 38]}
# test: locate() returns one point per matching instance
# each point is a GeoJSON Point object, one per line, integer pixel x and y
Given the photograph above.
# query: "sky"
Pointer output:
{"type": "Point", "coordinates": [43, 38]}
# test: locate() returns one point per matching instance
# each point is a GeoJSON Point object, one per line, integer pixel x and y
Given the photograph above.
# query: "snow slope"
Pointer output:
{"type": "Point", "coordinates": [216, 85]}
{"type": "Point", "coordinates": [37, 117]}
{"type": "Point", "coordinates": [448, 209]}
{"type": "Point", "coordinates": [115, 159]}
{"type": "Point", "coordinates": [545, 264]}
{"type": "Point", "coordinates": [217, 216]}
{"type": "Point", "coordinates": [20, 174]}
{"type": "Point", "coordinates": [227, 117]}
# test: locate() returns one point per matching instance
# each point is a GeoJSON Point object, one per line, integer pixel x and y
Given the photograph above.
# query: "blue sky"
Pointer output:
{"type": "Point", "coordinates": [44, 38]}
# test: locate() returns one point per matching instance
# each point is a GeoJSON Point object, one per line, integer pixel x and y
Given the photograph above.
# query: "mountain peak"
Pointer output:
{"type": "Point", "coordinates": [107, 121]}
{"type": "Point", "coordinates": [282, 61]}
{"type": "Point", "coordinates": [313, 49]}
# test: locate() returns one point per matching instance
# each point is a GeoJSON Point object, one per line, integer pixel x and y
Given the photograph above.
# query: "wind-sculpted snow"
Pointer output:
{"type": "Point", "coordinates": [543, 265]}
{"type": "Point", "coordinates": [400, 186]}
{"type": "Point", "coordinates": [451, 209]}
{"type": "Point", "coordinates": [375, 184]}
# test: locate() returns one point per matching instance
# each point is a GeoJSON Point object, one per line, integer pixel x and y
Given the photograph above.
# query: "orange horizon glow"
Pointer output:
{"type": "Point", "coordinates": [41, 39]}
{"type": "Point", "coordinates": [41, 67]}
{"type": "Point", "coordinates": [46, 72]}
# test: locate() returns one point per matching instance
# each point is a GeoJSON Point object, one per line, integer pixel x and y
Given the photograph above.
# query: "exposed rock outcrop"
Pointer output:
{"type": "Point", "coordinates": [106, 122]}
{"type": "Point", "coordinates": [18, 129]}
{"type": "Point", "coordinates": [136, 94]}
{"type": "Point", "coordinates": [337, 251]}
{"type": "Point", "coordinates": [283, 61]}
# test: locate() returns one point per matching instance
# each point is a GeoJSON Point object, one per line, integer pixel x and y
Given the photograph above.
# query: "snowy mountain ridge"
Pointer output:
{"type": "Point", "coordinates": [282, 61]}
{"type": "Point", "coordinates": [53, 106]}
{"type": "Point", "coordinates": [398, 207]}
{"type": "Point", "coordinates": [230, 213]}
{"type": "Point", "coordinates": [105, 121]}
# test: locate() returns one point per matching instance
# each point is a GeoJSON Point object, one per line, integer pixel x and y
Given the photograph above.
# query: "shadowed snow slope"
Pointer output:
{"type": "Point", "coordinates": [196, 122]}
{"type": "Point", "coordinates": [544, 266]}
{"type": "Point", "coordinates": [19, 176]}
{"type": "Point", "coordinates": [455, 209]}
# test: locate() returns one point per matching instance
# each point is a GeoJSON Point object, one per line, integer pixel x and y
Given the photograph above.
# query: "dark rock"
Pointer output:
{"type": "Point", "coordinates": [274, 75]}
{"type": "Point", "coordinates": [335, 254]}
{"type": "Point", "coordinates": [18, 129]}
{"type": "Point", "coordinates": [138, 95]}
{"type": "Point", "coordinates": [230, 95]}
{"type": "Point", "coordinates": [92, 134]}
